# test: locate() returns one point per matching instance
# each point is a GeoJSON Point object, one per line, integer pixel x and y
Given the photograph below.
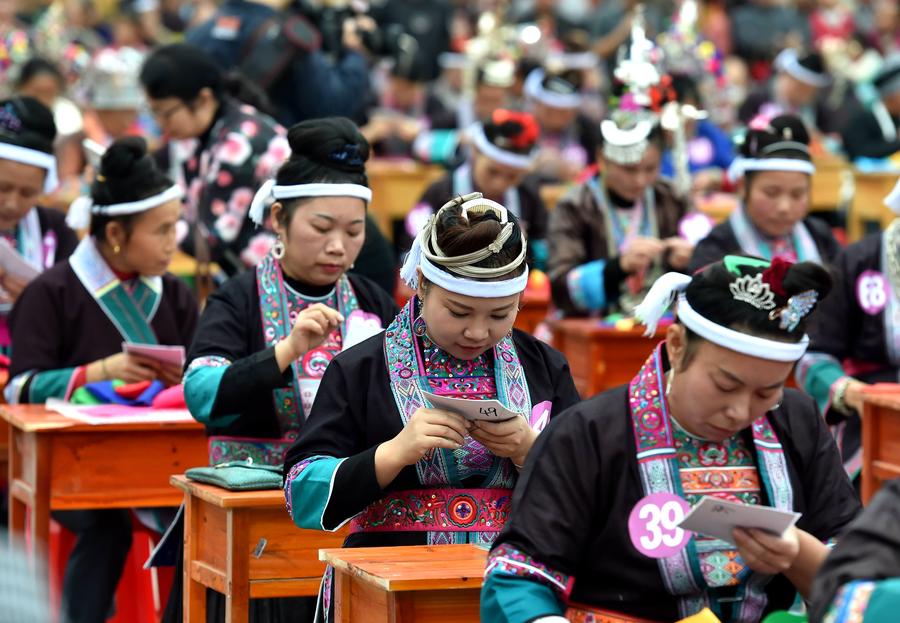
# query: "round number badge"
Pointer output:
{"type": "Point", "coordinates": [653, 525]}
{"type": "Point", "coordinates": [871, 291]}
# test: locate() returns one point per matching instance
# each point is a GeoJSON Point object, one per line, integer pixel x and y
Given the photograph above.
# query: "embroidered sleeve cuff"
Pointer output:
{"type": "Point", "coordinates": [816, 374]}
{"type": "Point", "coordinates": [358, 487]}
{"type": "Point", "coordinates": [308, 488]}
{"type": "Point", "coordinates": [586, 286]}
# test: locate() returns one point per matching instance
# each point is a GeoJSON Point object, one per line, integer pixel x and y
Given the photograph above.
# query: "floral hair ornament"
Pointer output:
{"type": "Point", "coordinates": [797, 308]}
{"type": "Point", "coordinates": [774, 275]}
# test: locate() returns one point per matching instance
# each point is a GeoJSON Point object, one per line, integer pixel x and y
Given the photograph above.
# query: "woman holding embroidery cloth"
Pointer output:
{"type": "Point", "coordinates": [594, 531]}
{"type": "Point", "coordinates": [375, 439]}
{"type": "Point", "coordinates": [69, 324]}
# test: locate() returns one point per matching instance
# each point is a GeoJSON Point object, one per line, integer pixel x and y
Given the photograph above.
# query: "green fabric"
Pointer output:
{"type": "Point", "coordinates": [201, 386]}
{"type": "Point", "coordinates": [819, 379]}
{"type": "Point", "coordinates": [511, 599]}
{"type": "Point", "coordinates": [310, 491]}
{"type": "Point", "coordinates": [238, 476]}
{"type": "Point", "coordinates": [131, 311]}
{"type": "Point", "coordinates": [81, 396]}
{"type": "Point", "coordinates": [884, 603]}
{"type": "Point", "coordinates": [734, 262]}
{"type": "Point", "coordinates": [49, 384]}
{"type": "Point", "coordinates": [443, 146]}
{"type": "Point", "coordinates": [783, 616]}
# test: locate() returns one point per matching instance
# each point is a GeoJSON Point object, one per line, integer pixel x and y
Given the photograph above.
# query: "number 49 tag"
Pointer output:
{"type": "Point", "coordinates": [653, 525]}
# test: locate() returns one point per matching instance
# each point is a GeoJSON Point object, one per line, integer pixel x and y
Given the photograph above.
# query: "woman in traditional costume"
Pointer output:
{"type": "Point", "coordinates": [266, 338]}
{"type": "Point", "coordinates": [499, 168]}
{"type": "Point", "coordinates": [855, 339]}
{"type": "Point", "coordinates": [379, 436]}
{"type": "Point", "coordinates": [69, 324]}
{"type": "Point", "coordinates": [594, 531]}
{"type": "Point", "coordinates": [613, 235]}
{"type": "Point", "coordinates": [773, 220]}
{"type": "Point", "coordinates": [38, 235]}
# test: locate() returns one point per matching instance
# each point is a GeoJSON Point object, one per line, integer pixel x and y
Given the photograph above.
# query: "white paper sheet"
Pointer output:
{"type": "Point", "coordinates": [473, 410]}
{"type": "Point", "coordinates": [14, 264]}
{"type": "Point", "coordinates": [717, 518]}
{"type": "Point", "coordinates": [164, 354]}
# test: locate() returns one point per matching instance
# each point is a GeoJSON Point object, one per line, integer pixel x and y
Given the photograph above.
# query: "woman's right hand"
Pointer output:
{"type": "Point", "coordinates": [853, 395]}
{"type": "Point", "coordinates": [426, 429]}
{"type": "Point", "coordinates": [126, 367]}
{"type": "Point", "coordinates": [640, 253]}
{"type": "Point", "coordinates": [312, 327]}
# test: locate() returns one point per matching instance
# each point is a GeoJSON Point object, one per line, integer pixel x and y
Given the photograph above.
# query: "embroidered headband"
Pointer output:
{"type": "Point", "coordinates": [625, 146]}
{"type": "Point", "coordinates": [498, 154]}
{"type": "Point", "coordinates": [535, 89]}
{"type": "Point", "coordinates": [788, 62]}
{"type": "Point", "coordinates": [464, 277]}
{"type": "Point", "coordinates": [270, 190]}
{"type": "Point", "coordinates": [35, 158]}
{"type": "Point", "coordinates": [79, 216]}
{"type": "Point", "coordinates": [661, 295]}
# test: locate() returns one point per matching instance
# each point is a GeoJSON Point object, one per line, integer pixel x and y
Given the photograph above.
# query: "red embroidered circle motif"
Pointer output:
{"type": "Point", "coordinates": [462, 511]}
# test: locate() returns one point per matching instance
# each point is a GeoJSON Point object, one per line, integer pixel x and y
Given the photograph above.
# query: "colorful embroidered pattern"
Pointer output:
{"type": "Point", "coordinates": [578, 614]}
{"type": "Point", "coordinates": [850, 604]}
{"type": "Point", "coordinates": [507, 560]}
{"type": "Point", "coordinates": [262, 451]}
{"type": "Point", "coordinates": [208, 362]}
{"type": "Point", "coordinates": [484, 510]}
{"type": "Point", "coordinates": [279, 306]}
{"type": "Point", "coordinates": [295, 472]}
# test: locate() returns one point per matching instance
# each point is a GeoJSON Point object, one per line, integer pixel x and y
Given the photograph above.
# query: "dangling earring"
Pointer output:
{"type": "Point", "coordinates": [419, 327]}
{"type": "Point", "coordinates": [278, 248]}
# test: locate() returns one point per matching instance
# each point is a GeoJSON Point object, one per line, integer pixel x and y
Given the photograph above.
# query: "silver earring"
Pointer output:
{"type": "Point", "coordinates": [776, 406]}
{"type": "Point", "coordinates": [278, 248]}
{"type": "Point", "coordinates": [352, 265]}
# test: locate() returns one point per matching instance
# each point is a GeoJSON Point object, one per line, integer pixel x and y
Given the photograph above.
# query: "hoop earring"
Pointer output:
{"type": "Point", "coordinates": [116, 249]}
{"type": "Point", "coordinates": [278, 248]}
{"type": "Point", "coordinates": [419, 327]}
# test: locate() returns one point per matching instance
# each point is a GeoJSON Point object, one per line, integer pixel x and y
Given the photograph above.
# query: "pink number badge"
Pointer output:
{"type": "Point", "coordinates": [871, 291]}
{"type": "Point", "coordinates": [653, 525]}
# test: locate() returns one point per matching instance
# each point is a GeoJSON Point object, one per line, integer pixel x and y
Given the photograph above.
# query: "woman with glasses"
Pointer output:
{"type": "Point", "coordinates": [219, 149]}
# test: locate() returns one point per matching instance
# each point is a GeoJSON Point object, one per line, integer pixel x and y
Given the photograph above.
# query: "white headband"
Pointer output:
{"type": "Point", "coordinates": [416, 258]}
{"type": "Point", "coordinates": [893, 199]}
{"type": "Point", "coordinates": [35, 158]}
{"type": "Point", "coordinates": [788, 62]}
{"type": "Point", "coordinates": [270, 190]}
{"type": "Point", "coordinates": [497, 154]}
{"type": "Point", "coordinates": [659, 298]}
{"type": "Point", "coordinates": [741, 165]}
{"type": "Point", "coordinates": [534, 88]}
{"type": "Point", "coordinates": [625, 146]}
{"type": "Point", "coordinates": [79, 216]}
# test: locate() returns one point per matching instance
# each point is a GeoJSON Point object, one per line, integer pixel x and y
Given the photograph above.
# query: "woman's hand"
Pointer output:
{"type": "Point", "coordinates": [312, 327]}
{"type": "Point", "coordinates": [426, 429]}
{"type": "Point", "coordinates": [680, 251]}
{"type": "Point", "coordinates": [123, 366]}
{"type": "Point", "coordinates": [13, 286]}
{"type": "Point", "coordinates": [512, 439]}
{"type": "Point", "coordinates": [765, 552]}
{"type": "Point", "coordinates": [640, 253]}
{"type": "Point", "coordinates": [170, 374]}
{"type": "Point", "coordinates": [853, 395]}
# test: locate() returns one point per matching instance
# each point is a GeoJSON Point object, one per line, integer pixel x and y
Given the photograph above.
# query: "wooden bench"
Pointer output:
{"type": "Point", "coordinates": [868, 203]}
{"type": "Point", "coordinates": [396, 187]}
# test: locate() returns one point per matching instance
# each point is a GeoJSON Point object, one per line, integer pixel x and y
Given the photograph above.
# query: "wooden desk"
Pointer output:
{"type": "Point", "coordinates": [396, 187]}
{"type": "Point", "coordinates": [868, 202]}
{"type": "Point", "coordinates": [601, 357]}
{"type": "Point", "coordinates": [407, 584]}
{"type": "Point", "coordinates": [56, 463]}
{"type": "Point", "coordinates": [244, 545]}
{"type": "Point", "coordinates": [829, 182]}
{"type": "Point", "coordinates": [880, 438]}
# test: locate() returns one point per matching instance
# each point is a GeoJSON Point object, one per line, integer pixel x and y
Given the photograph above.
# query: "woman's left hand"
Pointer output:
{"type": "Point", "coordinates": [765, 552]}
{"type": "Point", "coordinates": [679, 252]}
{"type": "Point", "coordinates": [512, 438]}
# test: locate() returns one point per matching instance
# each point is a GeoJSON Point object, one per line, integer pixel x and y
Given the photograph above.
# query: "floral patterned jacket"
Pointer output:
{"type": "Point", "coordinates": [220, 174]}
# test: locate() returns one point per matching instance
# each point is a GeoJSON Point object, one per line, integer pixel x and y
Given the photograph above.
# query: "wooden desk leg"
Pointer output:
{"type": "Point", "coordinates": [16, 504]}
{"type": "Point", "coordinates": [40, 512]}
{"type": "Point", "coordinates": [194, 598]}
{"type": "Point", "coordinates": [237, 582]}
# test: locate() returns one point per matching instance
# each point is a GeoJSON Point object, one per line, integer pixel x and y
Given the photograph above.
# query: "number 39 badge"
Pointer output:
{"type": "Point", "coordinates": [653, 525]}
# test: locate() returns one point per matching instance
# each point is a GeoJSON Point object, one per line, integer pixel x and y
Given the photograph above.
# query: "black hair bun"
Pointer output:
{"type": "Point", "coordinates": [334, 142]}
{"type": "Point", "coordinates": [784, 136]}
{"type": "Point", "coordinates": [26, 122]}
{"type": "Point", "coordinates": [125, 158]}
{"type": "Point", "coordinates": [805, 276]}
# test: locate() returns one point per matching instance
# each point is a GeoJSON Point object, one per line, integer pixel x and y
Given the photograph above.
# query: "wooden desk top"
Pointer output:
{"type": "Point", "coordinates": [883, 395]}
{"type": "Point", "coordinates": [412, 568]}
{"type": "Point", "coordinates": [589, 327]}
{"type": "Point", "coordinates": [37, 418]}
{"type": "Point", "coordinates": [223, 498]}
